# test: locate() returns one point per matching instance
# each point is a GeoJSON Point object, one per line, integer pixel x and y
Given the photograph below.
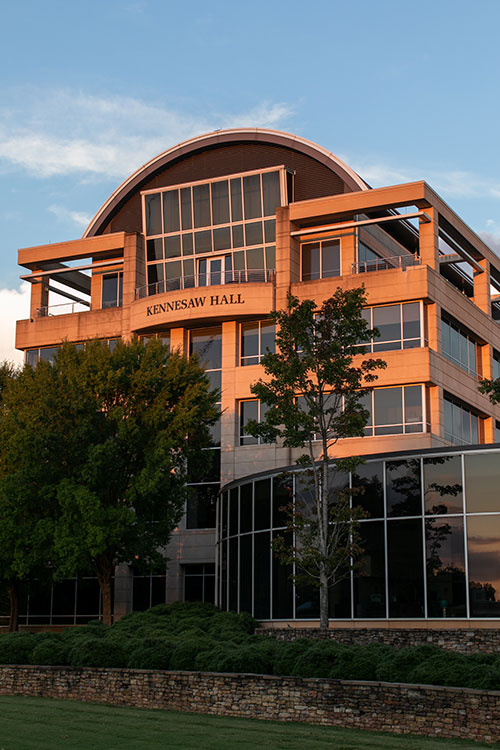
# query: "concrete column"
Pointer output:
{"type": "Point", "coordinates": [434, 334]}
{"type": "Point", "coordinates": [428, 239]}
{"type": "Point", "coordinates": [348, 253]}
{"type": "Point", "coordinates": [39, 297]}
{"type": "Point", "coordinates": [123, 591]}
{"type": "Point", "coordinates": [287, 257]}
{"type": "Point", "coordinates": [436, 409]}
{"type": "Point", "coordinates": [178, 341]}
{"type": "Point", "coordinates": [482, 287]}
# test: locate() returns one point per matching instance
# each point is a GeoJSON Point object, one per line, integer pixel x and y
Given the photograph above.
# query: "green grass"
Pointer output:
{"type": "Point", "coordinates": [45, 724]}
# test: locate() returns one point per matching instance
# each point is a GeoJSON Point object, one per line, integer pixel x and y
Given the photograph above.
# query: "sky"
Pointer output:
{"type": "Point", "coordinates": [91, 91]}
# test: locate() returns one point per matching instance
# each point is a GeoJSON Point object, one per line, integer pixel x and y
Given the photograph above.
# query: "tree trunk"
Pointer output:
{"type": "Point", "coordinates": [105, 569]}
{"type": "Point", "coordinates": [323, 599]}
{"type": "Point", "coordinates": [13, 590]}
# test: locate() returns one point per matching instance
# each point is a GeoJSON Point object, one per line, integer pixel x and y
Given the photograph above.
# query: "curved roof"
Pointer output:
{"type": "Point", "coordinates": [221, 137]}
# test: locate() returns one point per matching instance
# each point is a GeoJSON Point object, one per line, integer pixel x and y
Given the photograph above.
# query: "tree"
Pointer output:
{"type": "Point", "coordinates": [491, 388]}
{"type": "Point", "coordinates": [29, 465]}
{"type": "Point", "coordinates": [314, 390]}
{"type": "Point", "coordinates": [116, 434]}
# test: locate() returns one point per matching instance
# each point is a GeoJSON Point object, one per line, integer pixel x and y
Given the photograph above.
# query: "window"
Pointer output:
{"type": "Point", "coordinates": [496, 364]}
{"type": "Point", "coordinates": [250, 411]}
{"type": "Point", "coordinates": [461, 422]}
{"type": "Point", "coordinates": [199, 582]}
{"type": "Point", "coordinates": [229, 214]}
{"type": "Point", "coordinates": [320, 260]}
{"type": "Point", "coordinates": [459, 346]}
{"type": "Point", "coordinates": [257, 338]}
{"type": "Point", "coordinates": [206, 343]}
{"type": "Point", "coordinates": [112, 290]}
{"type": "Point", "coordinates": [400, 326]}
{"type": "Point", "coordinates": [394, 411]}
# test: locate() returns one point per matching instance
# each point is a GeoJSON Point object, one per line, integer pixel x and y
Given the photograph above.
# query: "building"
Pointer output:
{"type": "Point", "coordinates": [198, 246]}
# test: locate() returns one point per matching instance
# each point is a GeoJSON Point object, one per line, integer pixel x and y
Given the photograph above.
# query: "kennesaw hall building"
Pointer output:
{"type": "Point", "coordinates": [197, 247]}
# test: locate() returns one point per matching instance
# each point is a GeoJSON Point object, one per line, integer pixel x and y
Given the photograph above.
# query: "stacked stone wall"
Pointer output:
{"type": "Point", "coordinates": [463, 640]}
{"type": "Point", "coordinates": [397, 708]}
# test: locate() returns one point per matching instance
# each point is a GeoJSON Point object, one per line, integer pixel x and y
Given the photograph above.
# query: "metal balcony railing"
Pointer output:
{"type": "Point", "coordinates": [384, 264]}
{"type": "Point", "coordinates": [215, 278]}
{"type": "Point", "coordinates": [65, 308]}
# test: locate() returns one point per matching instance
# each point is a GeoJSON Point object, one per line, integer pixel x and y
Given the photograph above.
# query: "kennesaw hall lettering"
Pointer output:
{"type": "Point", "coordinates": [211, 300]}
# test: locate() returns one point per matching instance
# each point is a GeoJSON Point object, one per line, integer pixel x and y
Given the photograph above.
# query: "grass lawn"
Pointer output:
{"type": "Point", "coordinates": [45, 724]}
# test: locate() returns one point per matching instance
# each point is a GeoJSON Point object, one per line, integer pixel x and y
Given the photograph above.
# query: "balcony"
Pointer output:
{"type": "Point", "coordinates": [384, 264]}
{"type": "Point", "coordinates": [214, 278]}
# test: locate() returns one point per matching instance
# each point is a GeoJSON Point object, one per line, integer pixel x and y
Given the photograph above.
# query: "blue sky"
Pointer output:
{"type": "Point", "coordinates": [90, 91]}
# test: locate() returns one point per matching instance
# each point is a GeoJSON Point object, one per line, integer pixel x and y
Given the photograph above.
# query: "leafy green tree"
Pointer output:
{"type": "Point", "coordinates": [30, 466]}
{"type": "Point", "coordinates": [314, 393]}
{"type": "Point", "coordinates": [491, 388]}
{"type": "Point", "coordinates": [109, 451]}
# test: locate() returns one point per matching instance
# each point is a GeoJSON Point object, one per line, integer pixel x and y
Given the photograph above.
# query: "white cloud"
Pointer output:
{"type": "Point", "coordinates": [14, 305]}
{"type": "Point", "coordinates": [455, 183]}
{"type": "Point", "coordinates": [65, 215]}
{"type": "Point", "coordinates": [64, 133]}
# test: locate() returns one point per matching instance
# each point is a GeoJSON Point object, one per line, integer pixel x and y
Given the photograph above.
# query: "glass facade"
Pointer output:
{"type": "Point", "coordinates": [461, 422]}
{"type": "Point", "coordinates": [206, 343]}
{"type": "Point", "coordinates": [320, 260]}
{"type": "Point", "coordinates": [400, 326]}
{"type": "Point", "coordinates": [257, 338]}
{"type": "Point", "coordinates": [431, 541]}
{"type": "Point", "coordinates": [187, 225]}
{"type": "Point", "coordinates": [394, 411]}
{"type": "Point", "coordinates": [459, 346]}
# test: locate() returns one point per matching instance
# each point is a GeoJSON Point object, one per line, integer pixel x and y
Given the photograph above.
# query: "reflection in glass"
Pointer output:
{"type": "Point", "coordinates": [282, 499]}
{"type": "Point", "coordinates": [282, 585]}
{"type": "Point", "coordinates": [405, 568]}
{"type": "Point", "coordinates": [482, 486]}
{"type": "Point", "coordinates": [246, 513]}
{"type": "Point", "coordinates": [369, 481]}
{"type": "Point", "coordinates": [171, 211]}
{"type": "Point", "coordinates": [403, 488]}
{"type": "Point", "coordinates": [220, 202]}
{"type": "Point", "coordinates": [246, 573]}
{"type": "Point", "coordinates": [201, 205]}
{"type": "Point", "coordinates": [153, 214]}
{"type": "Point", "coordinates": [262, 569]}
{"type": "Point", "coordinates": [484, 565]}
{"type": "Point", "coordinates": [443, 484]}
{"type": "Point", "coordinates": [262, 504]}
{"type": "Point", "coordinates": [207, 344]}
{"type": "Point", "coordinates": [251, 193]}
{"type": "Point", "coordinates": [445, 562]}
{"type": "Point", "coordinates": [369, 582]}
{"type": "Point", "coordinates": [233, 574]}
{"type": "Point", "coordinates": [271, 192]}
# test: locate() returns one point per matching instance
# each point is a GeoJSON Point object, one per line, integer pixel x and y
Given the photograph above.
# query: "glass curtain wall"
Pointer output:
{"type": "Point", "coordinates": [431, 539]}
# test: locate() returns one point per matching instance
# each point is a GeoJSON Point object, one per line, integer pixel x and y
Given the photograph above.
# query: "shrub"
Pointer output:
{"type": "Point", "coordinates": [16, 648]}
{"type": "Point", "coordinates": [287, 654]}
{"type": "Point", "coordinates": [98, 652]}
{"type": "Point", "coordinates": [319, 659]}
{"type": "Point", "coordinates": [50, 652]}
{"type": "Point", "coordinates": [151, 656]}
{"type": "Point", "coordinates": [185, 653]}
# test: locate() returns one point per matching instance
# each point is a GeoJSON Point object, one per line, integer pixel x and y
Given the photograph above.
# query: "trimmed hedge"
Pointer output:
{"type": "Point", "coordinates": [195, 636]}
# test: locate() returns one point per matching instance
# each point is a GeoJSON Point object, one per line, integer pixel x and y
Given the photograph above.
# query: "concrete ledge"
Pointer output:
{"type": "Point", "coordinates": [380, 706]}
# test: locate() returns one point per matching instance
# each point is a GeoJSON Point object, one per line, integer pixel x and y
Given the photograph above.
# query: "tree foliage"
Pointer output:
{"type": "Point", "coordinates": [314, 390]}
{"type": "Point", "coordinates": [95, 453]}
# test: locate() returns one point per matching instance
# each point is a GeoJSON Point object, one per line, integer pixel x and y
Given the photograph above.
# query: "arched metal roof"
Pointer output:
{"type": "Point", "coordinates": [220, 137]}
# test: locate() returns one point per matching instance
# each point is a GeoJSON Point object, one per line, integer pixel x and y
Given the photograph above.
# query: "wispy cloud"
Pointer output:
{"type": "Point", "coordinates": [14, 305]}
{"type": "Point", "coordinates": [72, 217]}
{"type": "Point", "coordinates": [64, 133]}
{"type": "Point", "coordinates": [453, 183]}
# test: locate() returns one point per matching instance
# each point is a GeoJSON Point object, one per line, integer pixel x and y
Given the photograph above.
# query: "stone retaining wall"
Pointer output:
{"type": "Point", "coordinates": [402, 709]}
{"type": "Point", "coordinates": [464, 641]}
